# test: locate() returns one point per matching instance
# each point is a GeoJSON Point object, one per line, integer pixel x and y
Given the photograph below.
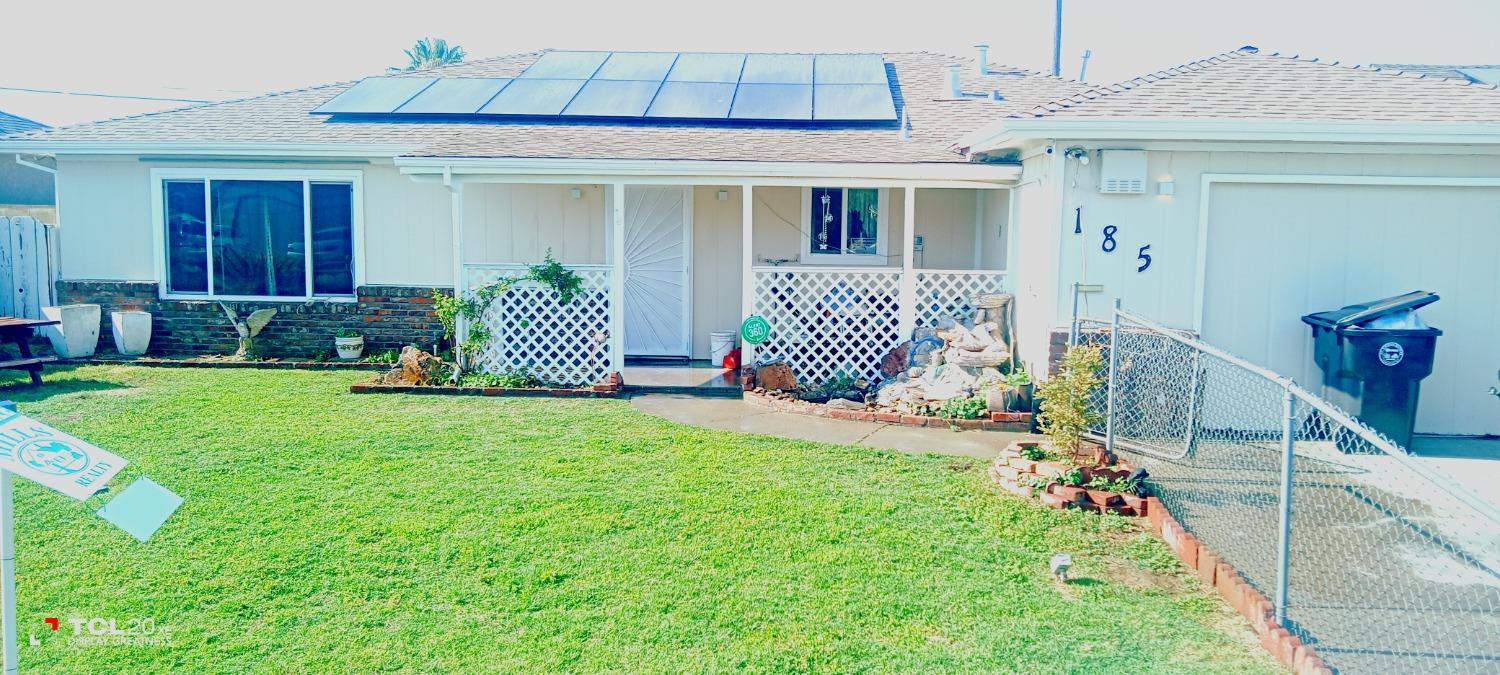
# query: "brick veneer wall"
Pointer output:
{"type": "Point", "coordinates": [389, 317]}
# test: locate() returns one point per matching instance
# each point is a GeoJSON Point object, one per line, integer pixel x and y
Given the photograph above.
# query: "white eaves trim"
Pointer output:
{"type": "Point", "coordinates": [733, 172]}
{"type": "Point", "coordinates": [1011, 133]}
{"type": "Point", "coordinates": [295, 150]}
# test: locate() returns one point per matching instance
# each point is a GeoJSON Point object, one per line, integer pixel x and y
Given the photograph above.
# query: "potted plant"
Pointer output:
{"type": "Point", "coordinates": [1018, 393]}
{"type": "Point", "coordinates": [349, 343]}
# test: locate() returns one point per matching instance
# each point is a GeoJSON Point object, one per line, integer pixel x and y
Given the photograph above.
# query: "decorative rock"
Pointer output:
{"type": "Point", "coordinates": [776, 376]}
{"type": "Point", "coordinates": [844, 404]}
{"type": "Point", "coordinates": [894, 362]}
{"type": "Point", "coordinates": [416, 367]}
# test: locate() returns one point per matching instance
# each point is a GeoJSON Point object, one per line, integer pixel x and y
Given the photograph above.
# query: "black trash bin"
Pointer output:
{"type": "Point", "coordinates": [1377, 353]}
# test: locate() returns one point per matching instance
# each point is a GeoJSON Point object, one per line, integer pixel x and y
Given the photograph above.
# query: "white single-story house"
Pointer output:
{"type": "Point", "coordinates": [846, 198]}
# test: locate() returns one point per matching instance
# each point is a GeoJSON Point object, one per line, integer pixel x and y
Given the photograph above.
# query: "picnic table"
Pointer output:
{"type": "Point", "coordinates": [18, 330]}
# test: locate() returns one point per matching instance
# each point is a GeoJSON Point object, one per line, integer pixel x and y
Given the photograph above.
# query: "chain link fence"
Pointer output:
{"type": "Point", "coordinates": [1380, 563]}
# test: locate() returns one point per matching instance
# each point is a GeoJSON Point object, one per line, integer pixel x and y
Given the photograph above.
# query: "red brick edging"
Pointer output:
{"type": "Point", "coordinates": [612, 387]}
{"type": "Point", "coordinates": [1202, 560]}
{"type": "Point", "coordinates": [997, 421]}
{"type": "Point", "coordinates": [444, 390]}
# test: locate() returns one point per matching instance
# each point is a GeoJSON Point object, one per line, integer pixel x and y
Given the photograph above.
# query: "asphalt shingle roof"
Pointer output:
{"type": "Point", "coordinates": [919, 84]}
{"type": "Point", "coordinates": [1245, 84]}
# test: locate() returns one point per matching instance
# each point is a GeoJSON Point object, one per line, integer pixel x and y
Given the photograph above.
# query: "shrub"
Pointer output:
{"type": "Point", "coordinates": [963, 408]}
{"type": "Point", "coordinates": [1067, 397]}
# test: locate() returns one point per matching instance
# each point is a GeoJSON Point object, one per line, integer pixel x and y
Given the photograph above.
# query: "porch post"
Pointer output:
{"type": "Point", "coordinates": [460, 280]}
{"type": "Point", "coordinates": [617, 279]}
{"type": "Point", "coordinates": [747, 263]}
{"type": "Point", "coordinates": [907, 303]}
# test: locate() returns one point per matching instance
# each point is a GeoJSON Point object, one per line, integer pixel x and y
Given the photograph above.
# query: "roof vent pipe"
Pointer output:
{"type": "Point", "coordinates": [984, 58]}
{"type": "Point", "coordinates": [955, 90]}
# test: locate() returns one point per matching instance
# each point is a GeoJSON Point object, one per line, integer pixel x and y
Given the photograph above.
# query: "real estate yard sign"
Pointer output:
{"type": "Point", "coordinates": [57, 460]}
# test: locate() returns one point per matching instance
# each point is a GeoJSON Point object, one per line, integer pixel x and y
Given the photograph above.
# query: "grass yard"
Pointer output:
{"type": "Point", "coordinates": [325, 531]}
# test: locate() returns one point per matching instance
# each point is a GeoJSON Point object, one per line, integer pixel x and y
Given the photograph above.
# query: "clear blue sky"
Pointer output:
{"type": "Point", "coordinates": [216, 50]}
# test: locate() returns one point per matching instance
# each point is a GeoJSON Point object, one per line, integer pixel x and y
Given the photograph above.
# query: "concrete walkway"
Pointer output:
{"type": "Point", "coordinates": [738, 415]}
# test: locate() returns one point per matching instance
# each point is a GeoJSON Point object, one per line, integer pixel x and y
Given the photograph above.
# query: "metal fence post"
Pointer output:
{"type": "Point", "coordinates": [1114, 370]}
{"type": "Point", "coordinates": [1284, 545]}
{"type": "Point", "coordinates": [1073, 326]}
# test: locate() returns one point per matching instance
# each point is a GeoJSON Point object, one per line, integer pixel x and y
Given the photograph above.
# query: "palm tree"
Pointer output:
{"type": "Point", "coordinates": [429, 52]}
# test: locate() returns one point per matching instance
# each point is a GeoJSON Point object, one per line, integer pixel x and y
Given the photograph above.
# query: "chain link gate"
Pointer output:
{"type": "Point", "coordinates": [1379, 562]}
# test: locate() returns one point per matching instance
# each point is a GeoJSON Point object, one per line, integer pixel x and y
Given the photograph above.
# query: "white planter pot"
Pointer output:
{"type": "Point", "coordinates": [349, 348]}
{"type": "Point", "coordinates": [132, 330]}
{"type": "Point", "coordinates": [77, 334]}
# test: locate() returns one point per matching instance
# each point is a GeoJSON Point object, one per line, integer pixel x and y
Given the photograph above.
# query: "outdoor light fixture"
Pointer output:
{"type": "Point", "coordinates": [723, 195]}
{"type": "Point", "coordinates": [575, 193]}
{"type": "Point", "coordinates": [1166, 188]}
{"type": "Point", "coordinates": [1077, 153]}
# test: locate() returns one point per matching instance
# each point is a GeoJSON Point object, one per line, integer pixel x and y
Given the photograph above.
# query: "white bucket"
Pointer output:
{"type": "Point", "coordinates": [719, 346]}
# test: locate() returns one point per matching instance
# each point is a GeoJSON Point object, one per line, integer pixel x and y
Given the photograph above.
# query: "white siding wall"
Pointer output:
{"type": "Point", "coordinates": [1170, 224]}
{"type": "Point", "coordinates": [510, 223]}
{"type": "Point", "coordinates": [108, 231]}
{"type": "Point", "coordinates": [1034, 277]}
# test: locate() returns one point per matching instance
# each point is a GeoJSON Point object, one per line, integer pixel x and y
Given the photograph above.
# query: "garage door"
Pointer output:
{"type": "Point", "coordinates": [1276, 252]}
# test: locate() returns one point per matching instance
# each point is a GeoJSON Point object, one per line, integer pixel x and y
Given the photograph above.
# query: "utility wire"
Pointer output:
{"type": "Point", "coordinates": [99, 95]}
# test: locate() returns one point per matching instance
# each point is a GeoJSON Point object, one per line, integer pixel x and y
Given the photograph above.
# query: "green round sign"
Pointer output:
{"type": "Point", "coordinates": [755, 329]}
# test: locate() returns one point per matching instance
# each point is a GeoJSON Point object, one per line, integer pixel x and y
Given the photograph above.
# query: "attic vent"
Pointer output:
{"type": "Point", "coordinates": [1122, 172]}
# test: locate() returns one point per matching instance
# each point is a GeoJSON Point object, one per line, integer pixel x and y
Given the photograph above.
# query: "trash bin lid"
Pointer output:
{"type": "Point", "coordinates": [1362, 313]}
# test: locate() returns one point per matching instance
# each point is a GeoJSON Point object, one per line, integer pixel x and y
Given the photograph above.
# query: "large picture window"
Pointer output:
{"type": "Point", "coordinates": [844, 226]}
{"type": "Point", "coordinates": [258, 238]}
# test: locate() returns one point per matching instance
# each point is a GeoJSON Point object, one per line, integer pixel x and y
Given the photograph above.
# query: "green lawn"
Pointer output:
{"type": "Point", "coordinates": [325, 531]}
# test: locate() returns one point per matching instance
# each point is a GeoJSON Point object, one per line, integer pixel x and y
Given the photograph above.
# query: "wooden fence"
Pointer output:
{"type": "Point", "coordinates": [28, 265]}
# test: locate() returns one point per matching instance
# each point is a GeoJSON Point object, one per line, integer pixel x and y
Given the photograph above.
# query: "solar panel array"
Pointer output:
{"type": "Point", "coordinates": [646, 85]}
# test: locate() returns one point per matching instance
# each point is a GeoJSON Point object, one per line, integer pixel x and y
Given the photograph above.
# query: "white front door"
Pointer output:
{"type": "Point", "coordinates": [658, 230]}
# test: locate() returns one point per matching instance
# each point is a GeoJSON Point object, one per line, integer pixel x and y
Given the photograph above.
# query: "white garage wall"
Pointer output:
{"type": "Point", "coordinates": [1170, 224]}
{"type": "Point", "coordinates": [106, 229]}
{"type": "Point", "coordinates": [1292, 249]}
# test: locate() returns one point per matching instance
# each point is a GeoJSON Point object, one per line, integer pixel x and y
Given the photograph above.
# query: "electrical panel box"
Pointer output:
{"type": "Point", "coordinates": [1122, 172]}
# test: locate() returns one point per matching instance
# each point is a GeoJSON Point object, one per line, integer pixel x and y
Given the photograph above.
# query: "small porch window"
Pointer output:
{"type": "Point", "coordinates": [844, 226]}
{"type": "Point", "coordinates": [249, 235]}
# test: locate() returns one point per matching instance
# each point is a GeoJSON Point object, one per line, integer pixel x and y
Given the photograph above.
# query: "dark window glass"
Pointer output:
{"type": "Point", "coordinates": [827, 220]}
{"type": "Point", "coordinates": [187, 238]}
{"type": "Point", "coordinates": [333, 238]}
{"type": "Point", "coordinates": [864, 220]}
{"type": "Point", "coordinates": [258, 238]}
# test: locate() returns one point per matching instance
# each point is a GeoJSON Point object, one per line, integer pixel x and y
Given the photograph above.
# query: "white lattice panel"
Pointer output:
{"type": "Point", "coordinates": [562, 344]}
{"type": "Point", "coordinates": [823, 321]}
{"type": "Point", "coordinates": [943, 293]}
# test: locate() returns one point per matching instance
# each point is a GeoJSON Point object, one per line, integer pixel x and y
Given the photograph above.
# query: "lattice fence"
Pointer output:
{"type": "Point", "coordinates": [943, 293]}
{"type": "Point", "coordinates": [829, 320]}
{"type": "Point", "coordinates": [562, 344]}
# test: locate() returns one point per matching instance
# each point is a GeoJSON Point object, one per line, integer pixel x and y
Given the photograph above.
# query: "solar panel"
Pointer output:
{"type": "Point", "coordinates": [849, 69]}
{"type": "Point", "coordinates": [1482, 75]}
{"type": "Point", "coordinates": [772, 102]}
{"type": "Point", "coordinates": [613, 98]}
{"type": "Point", "coordinates": [566, 65]}
{"type": "Point", "coordinates": [871, 102]}
{"type": "Point", "coordinates": [376, 95]}
{"type": "Point", "coordinates": [636, 66]}
{"type": "Point", "coordinates": [455, 95]}
{"type": "Point", "coordinates": [657, 85]}
{"type": "Point", "coordinates": [533, 97]}
{"type": "Point", "coordinates": [707, 68]}
{"type": "Point", "coordinates": [778, 69]}
{"type": "Point", "coordinates": [693, 100]}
